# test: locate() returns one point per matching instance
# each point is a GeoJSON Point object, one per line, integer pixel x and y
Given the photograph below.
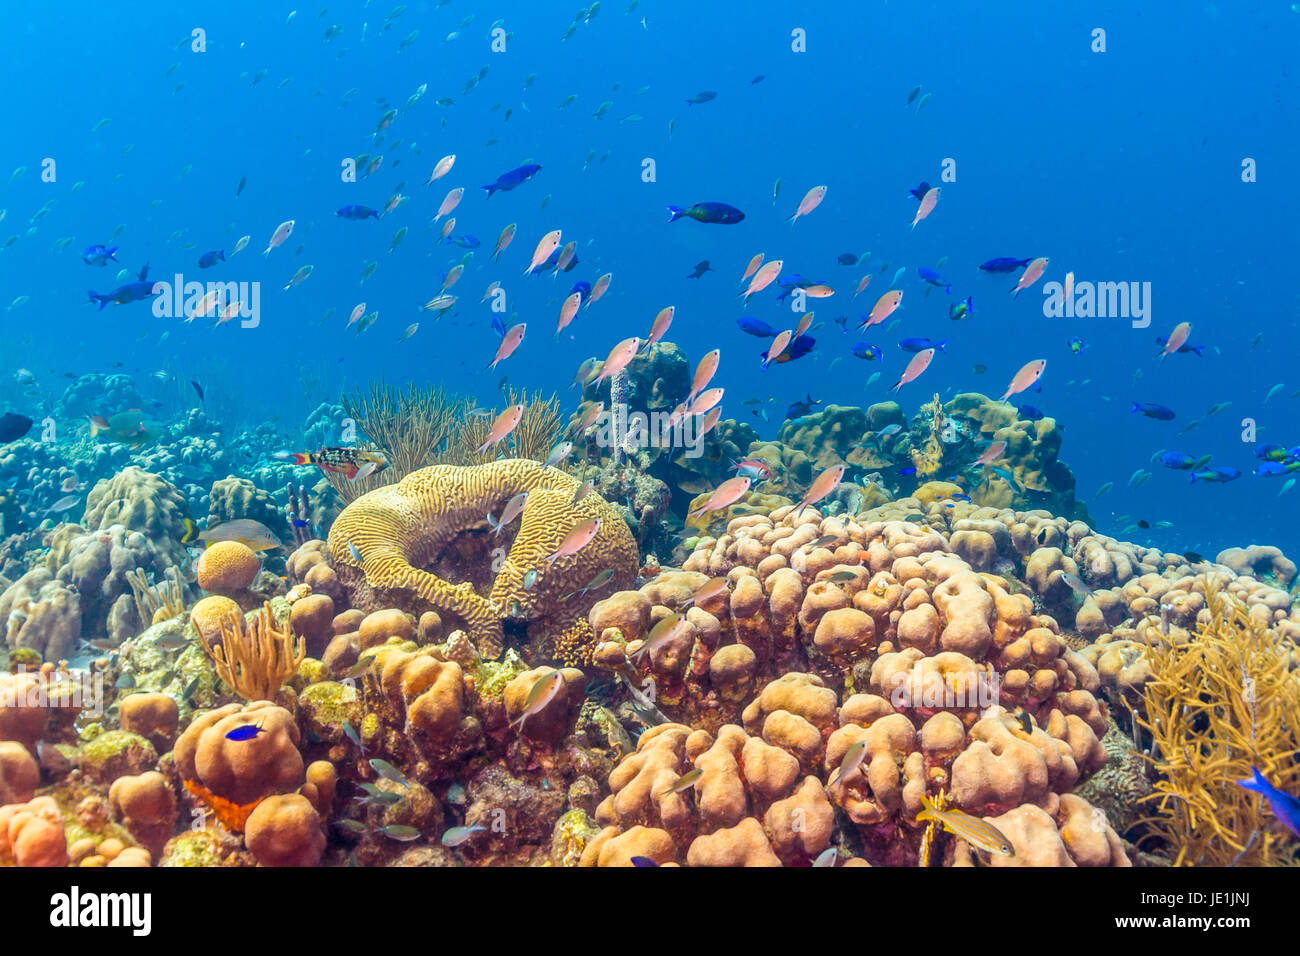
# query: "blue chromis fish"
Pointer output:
{"type": "Point", "coordinates": [978, 833]}
{"type": "Point", "coordinates": [210, 259]}
{"type": "Point", "coordinates": [1284, 806]}
{"type": "Point", "coordinates": [465, 242]}
{"type": "Point", "coordinates": [515, 177]}
{"type": "Point", "coordinates": [960, 310]}
{"type": "Point", "coordinates": [357, 213]}
{"type": "Point", "coordinates": [934, 279]}
{"type": "Point", "coordinates": [1152, 410]}
{"type": "Point", "coordinates": [756, 327]}
{"type": "Point", "coordinates": [713, 212]}
{"type": "Point", "coordinates": [97, 255]}
{"type": "Point", "coordinates": [1004, 265]}
{"type": "Point", "coordinates": [920, 345]}
{"type": "Point", "coordinates": [355, 552]}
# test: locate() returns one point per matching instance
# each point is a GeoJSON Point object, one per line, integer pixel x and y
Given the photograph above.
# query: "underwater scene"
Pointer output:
{"type": "Point", "coordinates": [480, 433]}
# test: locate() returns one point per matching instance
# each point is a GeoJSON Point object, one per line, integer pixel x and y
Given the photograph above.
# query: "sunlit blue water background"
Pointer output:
{"type": "Point", "coordinates": [1119, 166]}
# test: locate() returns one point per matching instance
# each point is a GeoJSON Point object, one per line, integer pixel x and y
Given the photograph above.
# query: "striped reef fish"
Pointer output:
{"type": "Point", "coordinates": [976, 832]}
{"type": "Point", "coordinates": [348, 462]}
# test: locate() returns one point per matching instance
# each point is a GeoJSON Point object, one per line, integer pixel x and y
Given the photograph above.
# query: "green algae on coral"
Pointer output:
{"type": "Point", "coordinates": [116, 753]}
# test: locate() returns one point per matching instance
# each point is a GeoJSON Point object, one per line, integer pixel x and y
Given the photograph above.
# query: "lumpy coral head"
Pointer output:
{"type": "Point", "coordinates": [383, 544]}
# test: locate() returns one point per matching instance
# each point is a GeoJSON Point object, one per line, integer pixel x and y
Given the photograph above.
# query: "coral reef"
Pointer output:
{"type": "Point", "coordinates": [383, 543]}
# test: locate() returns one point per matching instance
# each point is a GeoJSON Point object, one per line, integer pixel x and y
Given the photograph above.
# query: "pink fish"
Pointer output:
{"type": "Point", "coordinates": [1176, 338]}
{"type": "Point", "coordinates": [618, 359]}
{"type": "Point", "coordinates": [442, 169]}
{"type": "Point", "coordinates": [726, 494]}
{"type": "Point", "coordinates": [544, 690]}
{"type": "Point", "coordinates": [505, 423]}
{"type": "Point", "coordinates": [705, 401]}
{"type": "Point", "coordinates": [490, 290]}
{"type": "Point", "coordinates": [509, 342]}
{"type": "Point", "coordinates": [920, 362]}
{"type": "Point", "coordinates": [811, 200]}
{"type": "Point", "coordinates": [567, 311]}
{"type": "Point", "coordinates": [710, 420]}
{"type": "Point", "coordinates": [1068, 286]}
{"type": "Point", "coordinates": [450, 202]}
{"type": "Point", "coordinates": [281, 233]}
{"type": "Point", "coordinates": [764, 277]}
{"type": "Point", "coordinates": [577, 539]}
{"type": "Point", "coordinates": [548, 244]}
{"type": "Point", "coordinates": [804, 324]}
{"type": "Point", "coordinates": [599, 288]}
{"type": "Point", "coordinates": [750, 269]}
{"type": "Point", "coordinates": [660, 325]}
{"type": "Point", "coordinates": [991, 454]}
{"type": "Point", "coordinates": [593, 410]}
{"type": "Point", "coordinates": [862, 285]}
{"type": "Point", "coordinates": [357, 313]}
{"type": "Point", "coordinates": [447, 227]}
{"type": "Point", "coordinates": [883, 308]}
{"type": "Point", "coordinates": [565, 257]}
{"type": "Point", "coordinates": [1033, 272]}
{"type": "Point", "coordinates": [503, 240]}
{"type": "Point", "coordinates": [825, 483]}
{"type": "Point", "coordinates": [704, 372]}
{"type": "Point", "coordinates": [453, 276]}
{"type": "Point", "coordinates": [1026, 377]}
{"type": "Point", "coordinates": [928, 202]}
{"type": "Point", "coordinates": [778, 346]}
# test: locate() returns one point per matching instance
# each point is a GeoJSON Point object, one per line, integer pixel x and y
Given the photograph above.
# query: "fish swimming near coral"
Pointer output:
{"type": "Point", "coordinates": [1284, 806]}
{"type": "Point", "coordinates": [348, 462]}
{"type": "Point", "coordinates": [246, 531]}
{"type": "Point", "coordinates": [978, 833]}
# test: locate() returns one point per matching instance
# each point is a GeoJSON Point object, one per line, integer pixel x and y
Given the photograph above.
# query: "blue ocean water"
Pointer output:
{"type": "Point", "coordinates": [1123, 165]}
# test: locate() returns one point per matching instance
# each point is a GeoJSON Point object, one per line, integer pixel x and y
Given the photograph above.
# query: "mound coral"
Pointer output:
{"type": "Point", "coordinates": [436, 518]}
{"type": "Point", "coordinates": [231, 777]}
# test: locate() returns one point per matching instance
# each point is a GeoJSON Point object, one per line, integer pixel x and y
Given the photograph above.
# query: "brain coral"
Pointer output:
{"type": "Point", "coordinates": [425, 545]}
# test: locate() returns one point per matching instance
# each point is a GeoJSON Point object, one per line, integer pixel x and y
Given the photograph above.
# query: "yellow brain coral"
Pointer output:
{"type": "Point", "coordinates": [425, 544]}
{"type": "Point", "coordinates": [227, 567]}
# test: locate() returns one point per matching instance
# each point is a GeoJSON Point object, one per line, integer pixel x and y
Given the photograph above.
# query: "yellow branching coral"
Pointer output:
{"type": "Point", "coordinates": [255, 659]}
{"type": "Point", "coordinates": [1218, 704]}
